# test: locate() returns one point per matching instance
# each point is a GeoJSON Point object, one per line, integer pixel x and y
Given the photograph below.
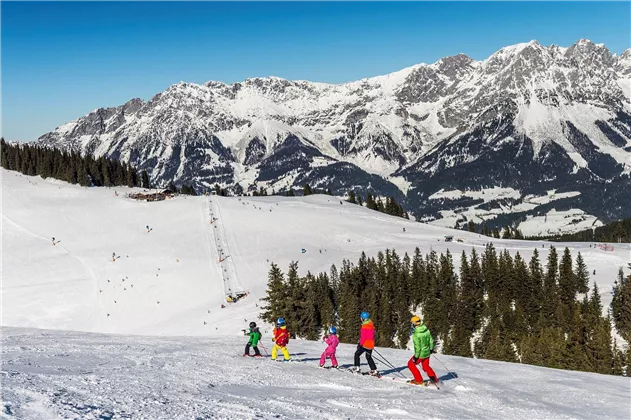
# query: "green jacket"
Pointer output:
{"type": "Point", "coordinates": [423, 342]}
{"type": "Point", "coordinates": [255, 336]}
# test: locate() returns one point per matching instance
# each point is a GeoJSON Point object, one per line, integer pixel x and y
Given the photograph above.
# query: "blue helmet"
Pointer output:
{"type": "Point", "coordinates": [332, 330]}
{"type": "Point", "coordinates": [364, 316]}
{"type": "Point", "coordinates": [280, 322]}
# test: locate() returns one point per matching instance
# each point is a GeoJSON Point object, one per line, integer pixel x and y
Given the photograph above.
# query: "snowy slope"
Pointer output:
{"type": "Point", "coordinates": [177, 264]}
{"type": "Point", "coordinates": [178, 288]}
{"type": "Point", "coordinates": [54, 374]}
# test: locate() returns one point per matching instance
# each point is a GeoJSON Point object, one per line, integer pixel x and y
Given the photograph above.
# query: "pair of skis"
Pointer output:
{"type": "Point", "coordinates": [395, 379]}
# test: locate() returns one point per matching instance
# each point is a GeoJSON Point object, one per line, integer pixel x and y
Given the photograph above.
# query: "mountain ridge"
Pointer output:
{"type": "Point", "coordinates": [401, 126]}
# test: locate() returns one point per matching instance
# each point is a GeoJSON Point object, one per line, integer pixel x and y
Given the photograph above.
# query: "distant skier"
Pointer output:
{"type": "Point", "coordinates": [281, 338]}
{"type": "Point", "coordinates": [255, 336]}
{"type": "Point", "coordinates": [423, 347]}
{"type": "Point", "coordinates": [366, 344]}
{"type": "Point", "coordinates": [329, 353]}
{"type": "Point", "coordinates": [403, 230]}
{"type": "Point", "coordinates": [54, 241]}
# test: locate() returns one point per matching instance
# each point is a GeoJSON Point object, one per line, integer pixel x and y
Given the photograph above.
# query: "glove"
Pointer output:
{"type": "Point", "coordinates": [359, 346]}
{"type": "Point", "coordinates": [414, 359]}
{"type": "Point", "coordinates": [433, 351]}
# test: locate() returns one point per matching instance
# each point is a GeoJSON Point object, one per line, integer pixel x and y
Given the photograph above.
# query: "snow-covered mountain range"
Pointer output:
{"type": "Point", "coordinates": [530, 118]}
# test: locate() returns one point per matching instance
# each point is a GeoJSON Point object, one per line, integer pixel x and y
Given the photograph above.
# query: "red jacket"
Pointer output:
{"type": "Point", "coordinates": [281, 336]}
{"type": "Point", "coordinates": [367, 335]}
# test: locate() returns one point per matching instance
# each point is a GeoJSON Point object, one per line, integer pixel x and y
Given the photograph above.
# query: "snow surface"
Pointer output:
{"type": "Point", "coordinates": [177, 264]}
{"type": "Point", "coordinates": [558, 222]}
{"type": "Point", "coordinates": [54, 374]}
{"type": "Point", "coordinates": [178, 288]}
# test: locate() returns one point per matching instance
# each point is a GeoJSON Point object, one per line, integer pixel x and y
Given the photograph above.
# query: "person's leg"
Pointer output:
{"type": "Point", "coordinates": [256, 351]}
{"type": "Point", "coordinates": [412, 366]}
{"type": "Point", "coordinates": [323, 358]}
{"type": "Point", "coordinates": [430, 372]}
{"type": "Point", "coordinates": [333, 359]}
{"type": "Point", "coordinates": [274, 351]}
{"type": "Point", "coordinates": [371, 362]}
{"type": "Point", "coordinates": [358, 353]}
{"type": "Point", "coordinates": [285, 353]}
{"type": "Point", "coordinates": [247, 349]}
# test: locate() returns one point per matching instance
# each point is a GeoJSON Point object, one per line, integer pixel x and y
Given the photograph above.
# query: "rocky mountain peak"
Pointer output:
{"type": "Point", "coordinates": [456, 123]}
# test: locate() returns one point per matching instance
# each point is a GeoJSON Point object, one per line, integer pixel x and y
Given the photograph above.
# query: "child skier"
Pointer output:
{"type": "Point", "coordinates": [281, 338]}
{"type": "Point", "coordinates": [366, 344]}
{"type": "Point", "coordinates": [423, 346]}
{"type": "Point", "coordinates": [255, 336]}
{"type": "Point", "coordinates": [329, 352]}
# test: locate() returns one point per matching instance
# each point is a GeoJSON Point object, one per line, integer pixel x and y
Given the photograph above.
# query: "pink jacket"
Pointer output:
{"type": "Point", "coordinates": [332, 341]}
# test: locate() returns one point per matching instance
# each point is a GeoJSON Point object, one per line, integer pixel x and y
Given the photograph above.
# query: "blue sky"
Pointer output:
{"type": "Point", "coordinates": [62, 60]}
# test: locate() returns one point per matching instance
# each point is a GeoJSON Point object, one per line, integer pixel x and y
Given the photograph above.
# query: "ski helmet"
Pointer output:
{"type": "Point", "coordinates": [415, 320]}
{"type": "Point", "coordinates": [332, 330]}
{"type": "Point", "coordinates": [252, 324]}
{"type": "Point", "coordinates": [364, 316]}
{"type": "Point", "coordinates": [280, 322]}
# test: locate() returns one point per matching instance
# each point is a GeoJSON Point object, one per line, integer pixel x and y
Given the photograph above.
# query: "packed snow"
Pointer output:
{"type": "Point", "coordinates": [142, 270]}
{"type": "Point", "coordinates": [62, 374]}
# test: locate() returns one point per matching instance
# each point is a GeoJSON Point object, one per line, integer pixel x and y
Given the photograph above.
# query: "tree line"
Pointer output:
{"type": "Point", "coordinates": [390, 206]}
{"type": "Point", "coordinates": [506, 232]}
{"type": "Point", "coordinates": [69, 166]}
{"type": "Point", "coordinates": [494, 306]}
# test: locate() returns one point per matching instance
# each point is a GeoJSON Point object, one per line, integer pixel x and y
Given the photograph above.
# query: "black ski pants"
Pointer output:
{"type": "Point", "coordinates": [256, 349]}
{"type": "Point", "coordinates": [359, 352]}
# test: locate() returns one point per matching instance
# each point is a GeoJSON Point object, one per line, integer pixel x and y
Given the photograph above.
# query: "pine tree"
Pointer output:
{"type": "Point", "coordinates": [621, 305]}
{"type": "Point", "coordinates": [145, 179]}
{"type": "Point", "coordinates": [496, 233]}
{"type": "Point", "coordinates": [351, 197]}
{"type": "Point", "coordinates": [549, 313]}
{"type": "Point", "coordinates": [275, 296]}
{"type": "Point", "coordinates": [581, 275]}
{"type": "Point", "coordinates": [295, 300]}
{"type": "Point", "coordinates": [471, 226]}
{"type": "Point", "coordinates": [370, 202]}
{"type": "Point", "coordinates": [307, 190]}
{"type": "Point", "coordinates": [617, 365]}
{"type": "Point", "coordinates": [310, 322]}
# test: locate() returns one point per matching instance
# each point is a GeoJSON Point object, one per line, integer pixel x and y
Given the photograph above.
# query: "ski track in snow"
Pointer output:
{"type": "Point", "coordinates": [63, 374]}
{"type": "Point", "coordinates": [177, 292]}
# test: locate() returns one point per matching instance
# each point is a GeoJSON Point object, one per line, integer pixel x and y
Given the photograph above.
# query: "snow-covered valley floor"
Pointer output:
{"type": "Point", "coordinates": [62, 374]}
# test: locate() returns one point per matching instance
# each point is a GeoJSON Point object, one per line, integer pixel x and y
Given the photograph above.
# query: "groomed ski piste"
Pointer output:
{"type": "Point", "coordinates": [144, 335]}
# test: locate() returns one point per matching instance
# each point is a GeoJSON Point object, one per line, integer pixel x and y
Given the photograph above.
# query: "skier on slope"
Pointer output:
{"type": "Point", "coordinates": [281, 338]}
{"type": "Point", "coordinates": [332, 341]}
{"type": "Point", "coordinates": [366, 344]}
{"type": "Point", "coordinates": [255, 336]}
{"type": "Point", "coordinates": [423, 347]}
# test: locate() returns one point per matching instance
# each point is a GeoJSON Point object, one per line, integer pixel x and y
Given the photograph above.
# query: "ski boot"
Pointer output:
{"type": "Point", "coordinates": [257, 355]}
{"type": "Point", "coordinates": [434, 380]}
{"type": "Point", "coordinates": [415, 382]}
{"type": "Point", "coordinates": [375, 373]}
{"type": "Point", "coordinates": [246, 355]}
{"type": "Point", "coordinates": [354, 369]}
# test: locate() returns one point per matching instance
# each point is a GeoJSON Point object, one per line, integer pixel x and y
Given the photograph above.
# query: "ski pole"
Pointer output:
{"type": "Point", "coordinates": [447, 369]}
{"type": "Point", "coordinates": [264, 349]}
{"type": "Point", "coordinates": [387, 363]}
